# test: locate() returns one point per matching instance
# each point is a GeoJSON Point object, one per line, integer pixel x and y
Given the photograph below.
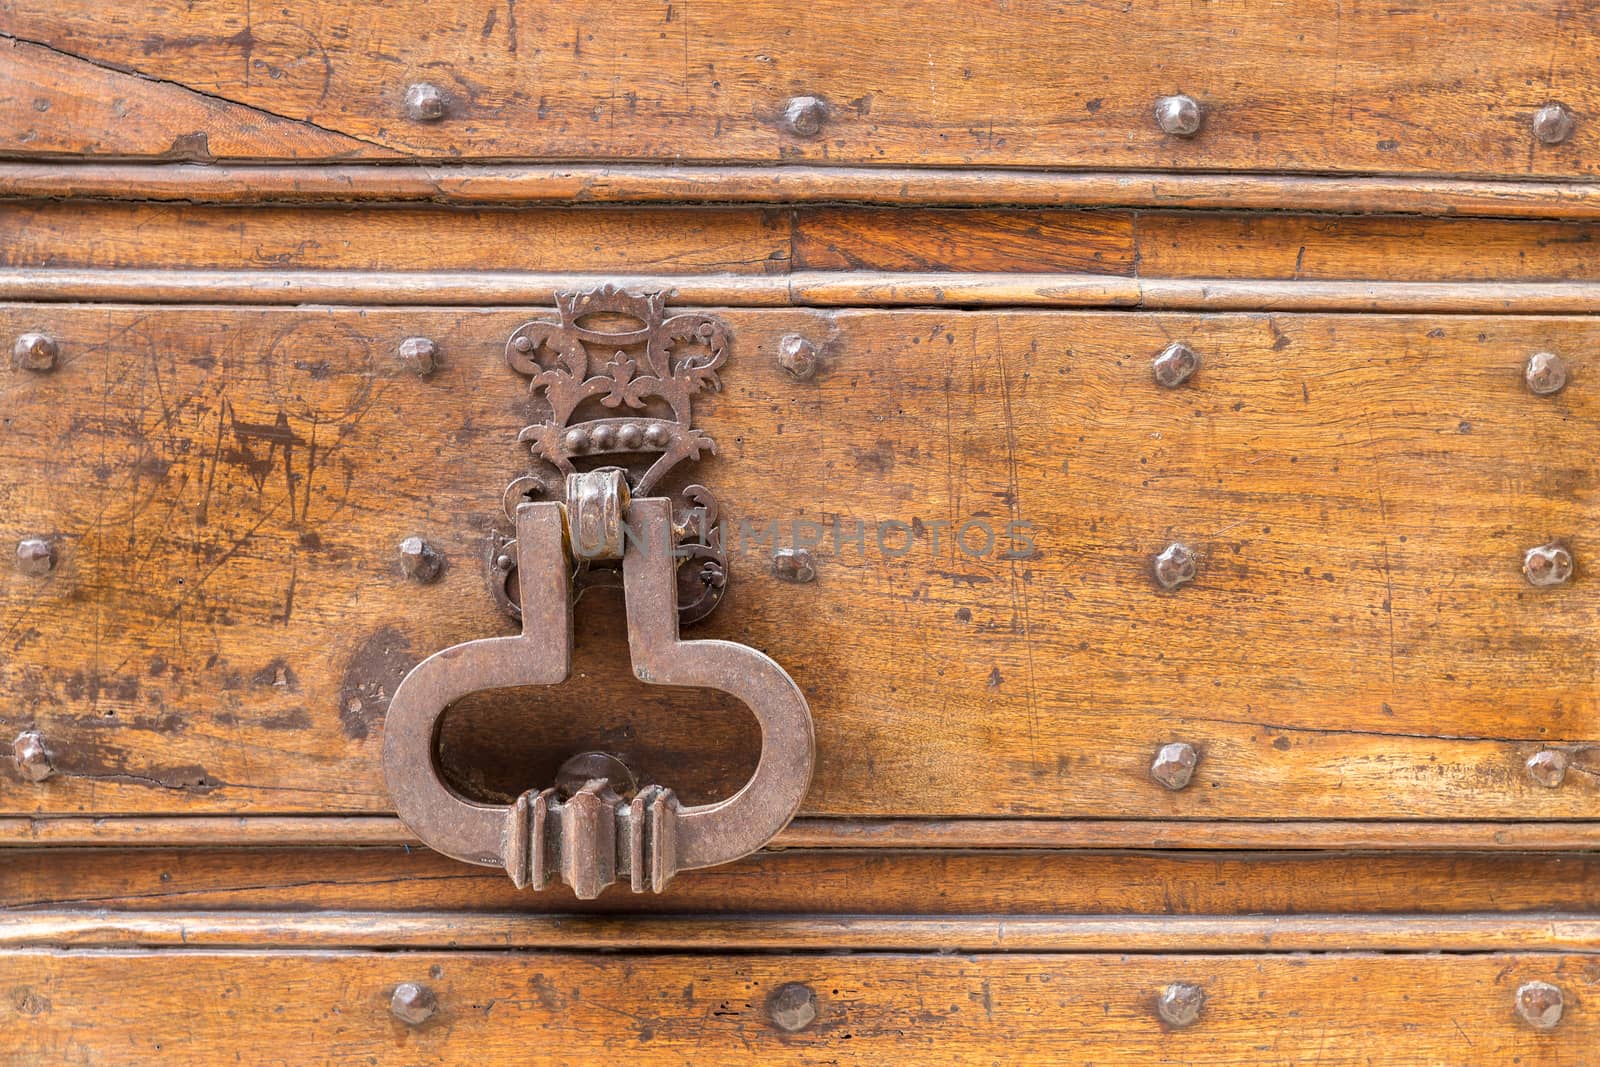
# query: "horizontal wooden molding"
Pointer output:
{"type": "Point", "coordinates": [299, 831]}
{"type": "Point", "coordinates": [800, 289]}
{"type": "Point", "coordinates": [891, 186]}
{"type": "Point", "coordinates": [1109, 933]}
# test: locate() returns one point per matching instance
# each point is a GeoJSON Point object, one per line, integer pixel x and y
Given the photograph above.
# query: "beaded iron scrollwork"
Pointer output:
{"type": "Point", "coordinates": [618, 376]}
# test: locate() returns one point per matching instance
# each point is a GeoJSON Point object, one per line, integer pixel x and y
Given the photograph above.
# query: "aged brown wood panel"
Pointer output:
{"type": "Point", "coordinates": [911, 240]}
{"type": "Point", "coordinates": [53, 104]}
{"type": "Point", "coordinates": [1236, 245]}
{"type": "Point", "coordinates": [818, 883]}
{"type": "Point", "coordinates": [573, 1009]}
{"type": "Point", "coordinates": [1193, 244]}
{"type": "Point", "coordinates": [121, 235]}
{"type": "Point", "coordinates": [227, 488]}
{"type": "Point", "coordinates": [1442, 88]}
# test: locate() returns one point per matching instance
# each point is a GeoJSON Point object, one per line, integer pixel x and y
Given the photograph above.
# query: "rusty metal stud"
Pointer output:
{"type": "Point", "coordinates": [1548, 767]}
{"type": "Point", "coordinates": [1174, 765]}
{"type": "Point", "coordinates": [1539, 1004]}
{"type": "Point", "coordinates": [425, 102]}
{"type": "Point", "coordinates": [413, 1004]}
{"type": "Point", "coordinates": [1180, 115]}
{"type": "Point", "coordinates": [803, 116]}
{"type": "Point", "coordinates": [419, 560]}
{"type": "Point", "coordinates": [34, 351]}
{"type": "Point", "coordinates": [798, 356]}
{"type": "Point", "coordinates": [36, 556]}
{"type": "Point", "coordinates": [578, 771]}
{"type": "Point", "coordinates": [1545, 373]}
{"type": "Point", "coordinates": [1180, 1003]}
{"type": "Point", "coordinates": [419, 355]}
{"type": "Point", "coordinates": [794, 565]}
{"type": "Point", "coordinates": [1547, 565]}
{"type": "Point", "coordinates": [1174, 566]}
{"type": "Point", "coordinates": [792, 1007]}
{"type": "Point", "coordinates": [33, 758]}
{"type": "Point", "coordinates": [1175, 365]}
{"type": "Point", "coordinates": [1554, 123]}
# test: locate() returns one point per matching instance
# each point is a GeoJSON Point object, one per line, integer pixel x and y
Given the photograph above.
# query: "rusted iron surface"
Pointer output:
{"type": "Point", "coordinates": [597, 826]}
{"type": "Point", "coordinates": [595, 837]}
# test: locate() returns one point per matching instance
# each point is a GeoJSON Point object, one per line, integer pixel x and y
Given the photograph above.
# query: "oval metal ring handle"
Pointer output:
{"type": "Point", "coordinates": [593, 837]}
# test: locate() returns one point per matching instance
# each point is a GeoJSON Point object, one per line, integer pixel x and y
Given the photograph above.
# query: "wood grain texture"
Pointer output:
{"type": "Point", "coordinates": [397, 238]}
{"type": "Point", "coordinates": [227, 488]}
{"type": "Point", "coordinates": [510, 184]}
{"type": "Point", "coordinates": [1449, 88]}
{"type": "Point", "coordinates": [391, 931]}
{"type": "Point", "coordinates": [818, 883]}
{"type": "Point", "coordinates": [53, 104]}
{"type": "Point", "coordinates": [559, 1008]}
{"type": "Point", "coordinates": [820, 289]}
{"type": "Point", "coordinates": [57, 235]}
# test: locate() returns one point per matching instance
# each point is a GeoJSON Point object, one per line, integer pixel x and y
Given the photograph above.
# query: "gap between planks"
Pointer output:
{"type": "Point", "coordinates": [184, 831]}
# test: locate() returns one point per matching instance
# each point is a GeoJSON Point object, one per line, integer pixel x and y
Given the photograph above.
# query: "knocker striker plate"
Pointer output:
{"type": "Point", "coordinates": [590, 836]}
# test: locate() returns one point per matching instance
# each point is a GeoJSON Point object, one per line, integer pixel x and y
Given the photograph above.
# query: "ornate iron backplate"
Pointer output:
{"type": "Point", "coordinates": [618, 377]}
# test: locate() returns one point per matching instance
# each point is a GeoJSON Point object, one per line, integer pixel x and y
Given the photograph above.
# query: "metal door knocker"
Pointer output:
{"type": "Point", "coordinates": [581, 508]}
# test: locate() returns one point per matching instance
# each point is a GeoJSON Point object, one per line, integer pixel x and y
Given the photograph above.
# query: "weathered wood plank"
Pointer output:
{"type": "Point", "coordinates": [817, 883]}
{"type": "Point", "coordinates": [790, 933]}
{"type": "Point", "coordinates": [1193, 244]}
{"type": "Point", "coordinates": [821, 289]}
{"type": "Point", "coordinates": [200, 831]}
{"type": "Point", "coordinates": [228, 615]}
{"type": "Point", "coordinates": [485, 184]}
{"type": "Point", "coordinates": [1446, 88]}
{"type": "Point", "coordinates": [566, 1008]}
{"type": "Point", "coordinates": [53, 104]}
{"type": "Point", "coordinates": [116, 236]}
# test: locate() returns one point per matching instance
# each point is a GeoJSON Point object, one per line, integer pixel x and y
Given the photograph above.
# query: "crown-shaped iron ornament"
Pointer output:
{"type": "Point", "coordinates": [619, 376]}
{"type": "Point", "coordinates": [623, 349]}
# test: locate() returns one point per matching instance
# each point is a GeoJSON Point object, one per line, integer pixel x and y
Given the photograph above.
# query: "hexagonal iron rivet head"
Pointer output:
{"type": "Point", "coordinates": [797, 356]}
{"type": "Point", "coordinates": [1174, 765]}
{"type": "Point", "coordinates": [1547, 565]}
{"type": "Point", "coordinates": [803, 116]}
{"type": "Point", "coordinates": [1174, 566]}
{"type": "Point", "coordinates": [1180, 115]}
{"type": "Point", "coordinates": [1175, 365]}
{"type": "Point", "coordinates": [413, 1004]}
{"type": "Point", "coordinates": [33, 758]}
{"type": "Point", "coordinates": [36, 556]}
{"type": "Point", "coordinates": [792, 1007]}
{"type": "Point", "coordinates": [794, 565]}
{"type": "Point", "coordinates": [419, 561]}
{"type": "Point", "coordinates": [425, 102]}
{"type": "Point", "coordinates": [1180, 1003]}
{"type": "Point", "coordinates": [1547, 767]}
{"type": "Point", "coordinates": [34, 351]}
{"type": "Point", "coordinates": [1554, 123]}
{"type": "Point", "coordinates": [1545, 373]}
{"type": "Point", "coordinates": [419, 355]}
{"type": "Point", "coordinates": [1539, 1004]}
